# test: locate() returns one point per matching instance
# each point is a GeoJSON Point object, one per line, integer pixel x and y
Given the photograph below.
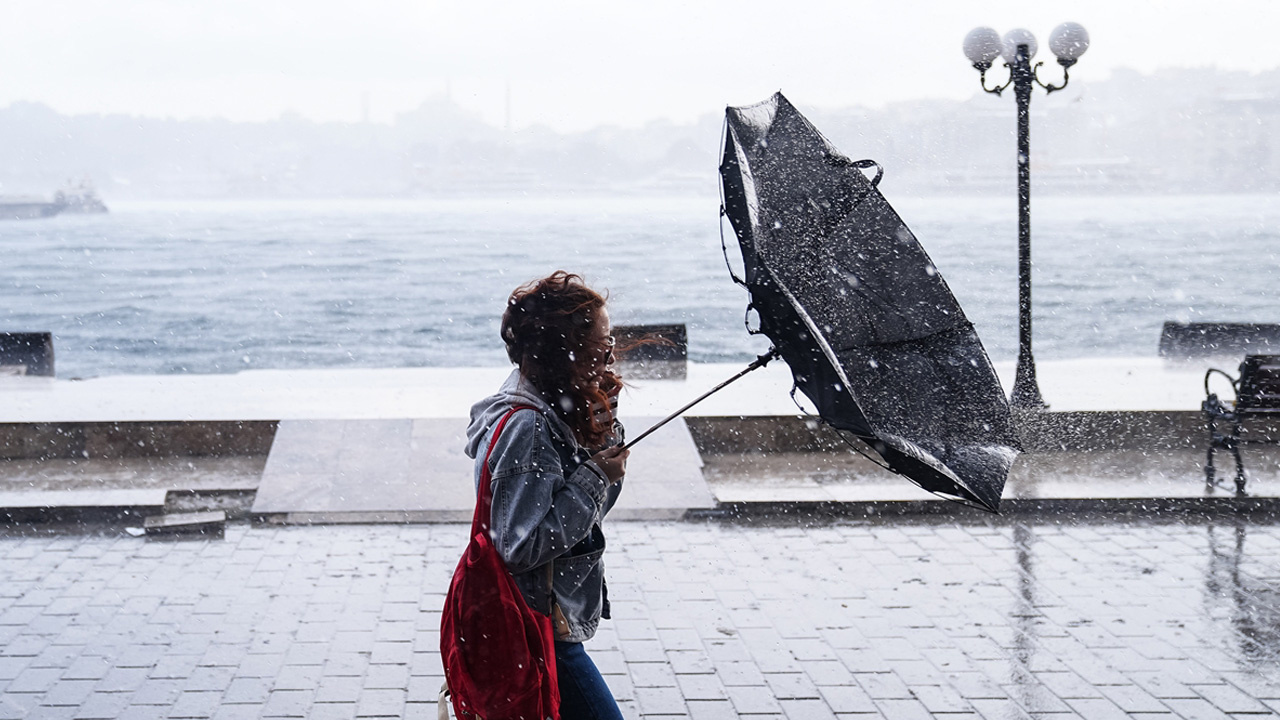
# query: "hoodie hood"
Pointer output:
{"type": "Point", "coordinates": [515, 391]}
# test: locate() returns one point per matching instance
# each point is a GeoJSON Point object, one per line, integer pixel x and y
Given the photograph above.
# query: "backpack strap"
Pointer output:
{"type": "Point", "coordinates": [484, 503]}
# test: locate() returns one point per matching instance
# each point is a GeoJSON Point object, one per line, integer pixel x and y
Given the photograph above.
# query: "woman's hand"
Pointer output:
{"type": "Point", "coordinates": [613, 462]}
{"type": "Point", "coordinates": [606, 415]}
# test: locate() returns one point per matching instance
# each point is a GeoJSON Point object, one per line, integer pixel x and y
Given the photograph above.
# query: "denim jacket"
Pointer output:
{"type": "Point", "coordinates": [548, 501]}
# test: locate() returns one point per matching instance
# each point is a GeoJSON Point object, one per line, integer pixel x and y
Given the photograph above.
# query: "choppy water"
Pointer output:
{"type": "Point", "coordinates": [219, 287]}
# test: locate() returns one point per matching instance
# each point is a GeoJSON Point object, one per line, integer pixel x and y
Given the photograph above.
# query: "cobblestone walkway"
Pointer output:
{"type": "Point", "coordinates": [1094, 618]}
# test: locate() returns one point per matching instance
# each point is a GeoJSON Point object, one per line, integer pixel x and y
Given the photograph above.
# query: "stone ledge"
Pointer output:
{"type": "Point", "coordinates": [1040, 431]}
{"type": "Point", "coordinates": [96, 440]}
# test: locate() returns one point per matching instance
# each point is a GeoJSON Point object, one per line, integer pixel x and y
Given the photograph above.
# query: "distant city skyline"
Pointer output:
{"type": "Point", "coordinates": [566, 65]}
{"type": "Point", "coordinates": [1173, 131]}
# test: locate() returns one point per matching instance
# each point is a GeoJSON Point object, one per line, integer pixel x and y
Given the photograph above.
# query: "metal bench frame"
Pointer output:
{"type": "Point", "coordinates": [1257, 392]}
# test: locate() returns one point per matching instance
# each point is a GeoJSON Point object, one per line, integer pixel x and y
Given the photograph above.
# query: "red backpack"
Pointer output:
{"type": "Point", "coordinates": [499, 655]}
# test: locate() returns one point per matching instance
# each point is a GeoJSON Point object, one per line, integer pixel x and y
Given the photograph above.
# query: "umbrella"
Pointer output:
{"type": "Point", "coordinates": [852, 303]}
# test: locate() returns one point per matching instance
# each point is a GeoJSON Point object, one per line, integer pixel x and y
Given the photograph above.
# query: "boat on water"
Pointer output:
{"type": "Point", "coordinates": [26, 207]}
{"type": "Point", "coordinates": [75, 198]}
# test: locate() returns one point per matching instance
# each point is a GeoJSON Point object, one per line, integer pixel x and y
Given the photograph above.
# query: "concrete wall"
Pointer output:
{"type": "Point", "coordinates": [96, 440]}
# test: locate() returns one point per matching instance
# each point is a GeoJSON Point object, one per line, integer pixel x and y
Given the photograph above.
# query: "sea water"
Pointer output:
{"type": "Point", "coordinates": [222, 286]}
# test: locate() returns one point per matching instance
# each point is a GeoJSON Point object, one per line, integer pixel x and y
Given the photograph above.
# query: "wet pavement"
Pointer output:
{"type": "Point", "coordinates": [846, 477]}
{"type": "Point", "coordinates": [964, 616]}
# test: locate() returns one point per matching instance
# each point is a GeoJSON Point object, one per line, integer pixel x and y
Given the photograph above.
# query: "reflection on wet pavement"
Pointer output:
{"type": "Point", "coordinates": [846, 476]}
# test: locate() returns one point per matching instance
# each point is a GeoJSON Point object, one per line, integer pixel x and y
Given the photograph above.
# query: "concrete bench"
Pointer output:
{"type": "Point", "coordinates": [1189, 341]}
{"type": "Point", "coordinates": [26, 353]}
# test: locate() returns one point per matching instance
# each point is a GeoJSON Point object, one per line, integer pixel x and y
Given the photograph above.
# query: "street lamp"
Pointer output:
{"type": "Point", "coordinates": [982, 45]}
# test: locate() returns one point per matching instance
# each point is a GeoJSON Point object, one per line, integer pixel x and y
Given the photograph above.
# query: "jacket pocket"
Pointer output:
{"type": "Point", "coordinates": [578, 585]}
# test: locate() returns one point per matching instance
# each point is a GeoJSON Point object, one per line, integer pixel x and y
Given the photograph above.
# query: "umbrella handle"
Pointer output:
{"type": "Point", "coordinates": [759, 363]}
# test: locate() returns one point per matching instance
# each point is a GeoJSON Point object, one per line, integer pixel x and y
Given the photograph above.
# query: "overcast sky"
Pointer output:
{"type": "Point", "coordinates": [567, 64]}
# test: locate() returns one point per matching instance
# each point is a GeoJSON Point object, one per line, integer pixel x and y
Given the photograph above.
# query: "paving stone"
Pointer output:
{"type": "Point", "coordinates": [196, 704]}
{"type": "Point", "coordinates": [1133, 699]}
{"type": "Point", "coordinates": [1230, 699]}
{"type": "Point", "coordinates": [738, 673]}
{"type": "Point", "coordinates": [387, 677]}
{"type": "Point", "coordinates": [11, 667]}
{"type": "Point", "coordinates": [660, 701]}
{"type": "Point", "coordinates": [1098, 709]}
{"type": "Point", "coordinates": [350, 664]}
{"type": "Point", "coordinates": [1196, 709]}
{"type": "Point", "coordinates": [651, 674]}
{"type": "Point", "coordinates": [157, 692]}
{"type": "Point", "coordinates": [174, 667]}
{"type": "Point", "coordinates": [102, 706]}
{"type": "Point", "coordinates": [253, 691]}
{"type": "Point", "coordinates": [339, 689]}
{"type": "Point", "coordinates": [238, 712]}
{"type": "Point", "coordinates": [711, 710]}
{"type": "Point", "coordinates": [34, 680]}
{"type": "Point", "coordinates": [14, 705]}
{"type": "Point", "coordinates": [828, 672]}
{"type": "Point", "coordinates": [1254, 685]}
{"type": "Point", "coordinates": [68, 693]}
{"type": "Point", "coordinates": [806, 710]}
{"type": "Point", "coordinates": [884, 686]}
{"type": "Point", "coordinates": [941, 699]}
{"type": "Point", "coordinates": [848, 699]}
{"type": "Point", "coordinates": [792, 686]}
{"type": "Point", "coordinates": [752, 699]}
{"type": "Point", "coordinates": [701, 687]}
{"type": "Point", "coordinates": [209, 678]}
{"type": "Point", "coordinates": [1067, 685]}
{"type": "Point", "coordinates": [143, 712]}
{"type": "Point", "coordinates": [381, 703]}
{"type": "Point", "coordinates": [1036, 698]}
{"type": "Point", "coordinates": [904, 709]}
{"type": "Point", "coordinates": [298, 677]}
{"type": "Point", "coordinates": [1000, 710]}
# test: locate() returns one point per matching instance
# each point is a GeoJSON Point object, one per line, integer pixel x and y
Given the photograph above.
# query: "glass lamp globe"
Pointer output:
{"type": "Point", "coordinates": [981, 46]}
{"type": "Point", "coordinates": [1068, 42]}
{"type": "Point", "coordinates": [1014, 38]}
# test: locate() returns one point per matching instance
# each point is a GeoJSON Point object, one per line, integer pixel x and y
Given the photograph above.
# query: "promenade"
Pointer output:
{"type": "Point", "coordinates": [744, 584]}
{"type": "Point", "coordinates": [959, 617]}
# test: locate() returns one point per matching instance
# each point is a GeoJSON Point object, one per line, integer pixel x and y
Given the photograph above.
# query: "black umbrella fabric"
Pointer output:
{"type": "Point", "coordinates": [851, 301]}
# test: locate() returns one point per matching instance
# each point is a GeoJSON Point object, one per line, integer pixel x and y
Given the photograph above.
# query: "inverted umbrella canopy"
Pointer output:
{"type": "Point", "coordinates": [851, 301]}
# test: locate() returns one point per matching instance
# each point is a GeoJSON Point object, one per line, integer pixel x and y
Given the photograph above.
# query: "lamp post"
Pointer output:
{"type": "Point", "coordinates": [982, 45]}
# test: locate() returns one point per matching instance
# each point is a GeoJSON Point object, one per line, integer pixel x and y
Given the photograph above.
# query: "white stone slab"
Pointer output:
{"type": "Point", "coordinates": [1106, 384]}
{"type": "Point", "coordinates": [321, 469]}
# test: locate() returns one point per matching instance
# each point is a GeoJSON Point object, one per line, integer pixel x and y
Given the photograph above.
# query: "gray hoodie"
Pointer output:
{"type": "Point", "coordinates": [548, 501]}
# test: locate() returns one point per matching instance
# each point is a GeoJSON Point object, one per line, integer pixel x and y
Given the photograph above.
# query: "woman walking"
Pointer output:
{"type": "Point", "coordinates": [556, 470]}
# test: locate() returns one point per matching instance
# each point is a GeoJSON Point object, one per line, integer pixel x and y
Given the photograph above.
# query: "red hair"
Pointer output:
{"type": "Point", "coordinates": [547, 328]}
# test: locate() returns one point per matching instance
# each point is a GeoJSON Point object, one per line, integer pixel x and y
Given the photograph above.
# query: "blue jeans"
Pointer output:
{"type": "Point", "coordinates": [583, 692]}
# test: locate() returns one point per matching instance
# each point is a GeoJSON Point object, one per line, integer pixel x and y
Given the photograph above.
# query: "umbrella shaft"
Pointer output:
{"type": "Point", "coordinates": [759, 363]}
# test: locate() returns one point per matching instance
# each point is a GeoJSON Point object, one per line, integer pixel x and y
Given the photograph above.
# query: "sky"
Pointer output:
{"type": "Point", "coordinates": [565, 64]}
